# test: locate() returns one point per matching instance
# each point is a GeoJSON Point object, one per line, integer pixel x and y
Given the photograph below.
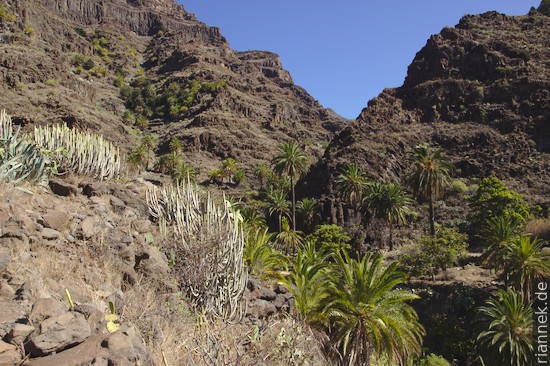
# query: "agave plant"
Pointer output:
{"type": "Point", "coordinates": [20, 159]}
{"type": "Point", "coordinates": [85, 153]}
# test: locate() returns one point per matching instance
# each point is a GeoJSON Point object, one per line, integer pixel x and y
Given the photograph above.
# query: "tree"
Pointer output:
{"type": "Point", "coordinates": [176, 145]}
{"type": "Point", "coordinates": [497, 233]}
{"type": "Point", "coordinates": [432, 171]}
{"type": "Point", "coordinates": [308, 208]}
{"type": "Point", "coordinates": [260, 257]}
{"type": "Point", "coordinates": [505, 336]}
{"type": "Point", "coordinates": [230, 168]}
{"type": "Point", "coordinates": [261, 171]}
{"type": "Point", "coordinates": [278, 204]}
{"type": "Point", "coordinates": [387, 202]}
{"type": "Point", "coordinates": [148, 142]}
{"type": "Point", "coordinates": [330, 238]}
{"type": "Point", "coordinates": [525, 263]}
{"type": "Point", "coordinates": [138, 157]}
{"type": "Point", "coordinates": [368, 314]}
{"type": "Point", "coordinates": [289, 239]}
{"type": "Point", "coordinates": [183, 172]}
{"type": "Point", "coordinates": [351, 183]}
{"type": "Point", "coordinates": [291, 162]}
{"type": "Point", "coordinates": [494, 199]}
{"type": "Point", "coordinates": [307, 282]}
{"type": "Point", "coordinates": [434, 253]}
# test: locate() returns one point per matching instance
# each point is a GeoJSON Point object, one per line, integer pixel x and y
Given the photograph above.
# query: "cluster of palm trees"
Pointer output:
{"type": "Point", "coordinates": [431, 172]}
{"type": "Point", "coordinates": [230, 172]}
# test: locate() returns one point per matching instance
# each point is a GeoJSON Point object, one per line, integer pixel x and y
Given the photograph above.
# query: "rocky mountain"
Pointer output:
{"type": "Point", "coordinates": [61, 60]}
{"type": "Point", "coordinates": [479, 90]}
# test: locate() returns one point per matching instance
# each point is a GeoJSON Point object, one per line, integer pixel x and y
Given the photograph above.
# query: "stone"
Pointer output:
{"type": "Point", "coordinates": [50, 234]}
{"type": "Point", "coordinates": [141, 226]}
{"type": "Point", "coordinates": [9, 355]}
{"type": "Point", "coordinates": [151, 261]}
{"type": "Point", "coordinates": [260, 309]}
{"type": "Point", "coordinates": [117, 203]}
{"type": "Point", "coordinates": [58, 333]}
{"type": "Point", "coordinates": [4, 259]}
{"type": "Point", "coordinates": [54, 219]}
{"type": "Point", "coordinates": [267, 294]}
{"type": "Point", "coordinates": [95, 188]}
{"type": "Point", "coordinates": [88, 227]}
{"type": "Point", "coordinates": [280, 289]}
{"type": "Point", "coordinates": [19, 333]}
{"type": "Point", "coordinates": [45, 308]}
{"type": "Point", "coordinates": [6, 290]}
{"type": "Point", "coordinates": [253, 284]}
{"type": "Point", "coordinates": [63, 188]}
{"type": "Point", "coordinates": [281, 302]}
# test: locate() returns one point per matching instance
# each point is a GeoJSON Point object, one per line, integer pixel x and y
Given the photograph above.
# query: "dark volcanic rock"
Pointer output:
{"type": "Point", "coordinates": [479, 91]}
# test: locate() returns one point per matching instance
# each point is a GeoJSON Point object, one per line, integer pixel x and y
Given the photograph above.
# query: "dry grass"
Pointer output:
{"type": "Point", "coordinates": [539, 227]}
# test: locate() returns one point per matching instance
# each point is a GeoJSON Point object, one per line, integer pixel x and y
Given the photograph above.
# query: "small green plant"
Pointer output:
{"type": "Point", "coordinates": [50, 82]}
{"type": "Point", "coordinates": [112, 319]}
{"type": "Point", "coordinates": [29, 31]}
{"type": "Point", "coordinates": [69, 298]}
{"type": "Point", "coordinates": [6, 16]}
{"type": "Point", "coordinates": [20, 85]}
{"type": "Point", "coordinates": [81, 32]}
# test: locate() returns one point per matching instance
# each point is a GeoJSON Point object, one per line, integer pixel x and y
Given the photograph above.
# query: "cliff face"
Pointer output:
{"type": "Point", "coordinates": [41, 80]}
{"type": "Point", "coordinates": [479, 90]}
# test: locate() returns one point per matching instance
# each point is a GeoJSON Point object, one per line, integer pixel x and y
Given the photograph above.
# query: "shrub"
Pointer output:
{"type": "Point", "coordinates": [459, 187]}
{"type": "Point", "coordinates": [50, 82]}
{"type": "Point", "coordinates": [81, 32]}
{"type": "Point", "coordinates": [29, 31]}
{"type": "Point", "coordinates": [330, 238]}
{"type": "Point", "coordinates": [539, 227]}
{"type": "Point", "coordinates": [6, 16]}
{"type": "Point", "coordinates": [431, 254]}
{"type": "Point", "coordinates": [433, 360]}
{"type": "Point", "coordinates": [494, 199]}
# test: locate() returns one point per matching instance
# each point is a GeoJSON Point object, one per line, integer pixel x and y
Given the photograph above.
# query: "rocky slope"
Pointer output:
{"type": "Point", "coordinates": [478, 90]}
{"type": "Point", "coordinates": [44, 78]}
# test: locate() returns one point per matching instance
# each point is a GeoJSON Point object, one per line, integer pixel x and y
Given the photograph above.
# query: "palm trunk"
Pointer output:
{"type": "Point", "coordinates": [391, 235]}
{"type": "Point", "coordinates": [280, 225]}
{"type": "Point", "coordinates": [293, 203]}
{"type": "Point", "coordinates": [432, 213]}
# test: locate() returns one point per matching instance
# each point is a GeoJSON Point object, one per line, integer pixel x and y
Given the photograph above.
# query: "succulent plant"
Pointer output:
{"type": "Point", "coordinates": [20, 159]}
{"type": "Point", "coordinates": [202, 224]}
{"type": "Point", "coordinates": [83, 153]}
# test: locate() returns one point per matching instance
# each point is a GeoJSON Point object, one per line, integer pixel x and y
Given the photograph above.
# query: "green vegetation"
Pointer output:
{"type": "Point", "coordinates": [291, 162]}
{"type": "Point", "coordinates": [433, 253]}
{"type": "Point", "coordinates": [431, 172]}
{"type": "Point", "coordinates": [6, 16]}
{"type": "Point", "coordinates": [330, 239]}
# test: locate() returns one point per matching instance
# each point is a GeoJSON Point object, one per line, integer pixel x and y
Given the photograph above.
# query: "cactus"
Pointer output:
{"type": "Point", "coordinates": [20, 159]}
{"type": "Point", "coordinates": [83, 153]}
{"type": "Point", "coordinates": [211, 241]}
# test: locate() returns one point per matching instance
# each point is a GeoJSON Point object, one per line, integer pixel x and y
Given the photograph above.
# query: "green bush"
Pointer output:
{"type": "Point", "coordinates": [6, 16]}
{"type": "Point", "coordinates": [494, 199]}
{"type": "Point", "coordinates": [433, 360]}
{"type": "Point", "coordinates": [459, 187]}
{"type": "Point", "coordinates": [330, 238]}
{"type": "Point", "coordinates": [431, 254]}
{"type": "Point", "coordinates": [50, 82]}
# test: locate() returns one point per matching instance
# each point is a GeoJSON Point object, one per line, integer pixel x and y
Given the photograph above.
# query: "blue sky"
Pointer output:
{"type": "Point", "coordinates": [344, 52]}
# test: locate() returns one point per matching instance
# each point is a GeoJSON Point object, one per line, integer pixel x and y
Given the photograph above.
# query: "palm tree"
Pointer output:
{"type": "Point", "coordinates": [368, 314]}
{"type": "Point", "coordinates": [309, 211]}
{"type": "Point", "coordinates": [307, 282]}
{"type": "Point", "coordinates": [351, 183]}
{"type": "Point", "coordinates": [289, 239]}
{"type": "Point", "coordinates": [278, 204]}
{"type": "Point", "coordinates": [387, 202]}
{"type": "Point", "coordinates": [148, 142]}
{"type": "Point", "coordinates": [230, 168]}
{"type": "Point", "coordinates": [432, 171]}
{"type": "Point", "coordinates": [261, 171]}
{"type": "Point", "coordinates": [252, 219]}
{"type": "Point", "coordinates": [138, 157]}
{"type": "Point", "coordinates": [506, 336]}
{"type": "Point", "coordinates": [291, 162]}
{"type": "Point", "coordinates": [176, 145]}
{"type": "Point", "coordinates": [525, 263]}
{"type": "Point", "coordinates": [259, 255]}
{"type": "Point", "coordinates": [183, 172]}
{"type": "Point", "coordinates": [497, 234]}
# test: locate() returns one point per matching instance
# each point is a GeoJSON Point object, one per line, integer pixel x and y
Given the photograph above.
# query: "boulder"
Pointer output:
{"type": "Point", "coordinates": [58, 333]}
{"type": "Point", "coordinates": [87, 228]}
{"type": "Point", "coordinates": [19, 333]}
{"type": "Point", "coordinates": [260, 309]}
{"type": "Point", "coordinates": [151, 261]}
{"type": "Point", "coordinates": [54, 219]}
{"type": "Point", "coordinates": [50, 234]}
{"type": "Point", "coordinates": [9, 355]}
{"type": "Point", "coordinates": [45, 308]}
{"type": "Point", "coordinates": [63, 188]}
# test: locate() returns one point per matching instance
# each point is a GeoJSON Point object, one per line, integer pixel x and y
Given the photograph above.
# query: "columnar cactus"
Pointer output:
{"type": "Point", "coordinates": [211, 249]}
{"type": "Point", "coordinates": [81, 152]}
